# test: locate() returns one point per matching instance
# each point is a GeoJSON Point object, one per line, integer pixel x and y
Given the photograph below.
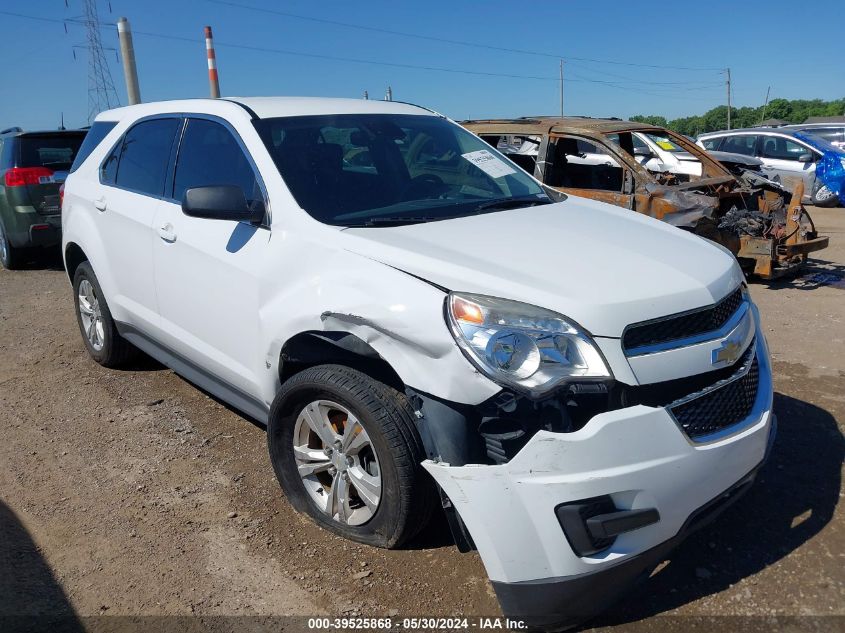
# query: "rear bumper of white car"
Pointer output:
{"type": "Point", "coordinates": [529, 517]}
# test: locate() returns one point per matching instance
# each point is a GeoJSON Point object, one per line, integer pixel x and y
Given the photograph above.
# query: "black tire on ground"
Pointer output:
{"type": "Point", "coordinates": [11, 257]}
{"type": "Point", "coordinates": [408, 494]}
{"type": "Point", "coordinates": [823, 197]}
{"type": "Point", "coordinates": [116, 350]}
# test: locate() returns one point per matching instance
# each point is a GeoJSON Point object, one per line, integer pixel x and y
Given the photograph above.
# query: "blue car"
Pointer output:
{"type": "Point", "coordinates": [789, 156]}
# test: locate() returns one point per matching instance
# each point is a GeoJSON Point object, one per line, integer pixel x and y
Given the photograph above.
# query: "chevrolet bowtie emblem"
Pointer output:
{"type": "Point", "coordinates": [727, 353]}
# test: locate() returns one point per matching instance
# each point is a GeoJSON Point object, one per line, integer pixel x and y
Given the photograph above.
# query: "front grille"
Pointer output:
{"type": "Point", "coordinates": [684, 325]}
{"type": "Point", "coordinates": [722, 405]}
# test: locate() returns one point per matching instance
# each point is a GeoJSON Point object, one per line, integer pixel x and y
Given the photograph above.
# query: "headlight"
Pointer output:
{"type": "Point", "coordinates": [521, 345]}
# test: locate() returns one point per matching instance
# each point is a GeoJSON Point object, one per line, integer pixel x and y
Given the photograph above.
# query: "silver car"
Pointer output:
{"type": "Point", "coordinates": [788, 155]}
{"type": "Point", "coordinates": [833, 133]}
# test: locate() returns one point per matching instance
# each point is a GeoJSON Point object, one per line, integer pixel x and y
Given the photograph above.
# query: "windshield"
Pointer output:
{"type": "Point", "coordinates": [663, 141]}
{"type": "Point", "coordinates": [55, 151]}
{"type": "Point", "coordinates": [380, 169]}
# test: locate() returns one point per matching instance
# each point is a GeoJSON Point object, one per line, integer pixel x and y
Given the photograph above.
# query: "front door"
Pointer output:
{"type": "Point", "coordinates": [207, 271]}
{"type": "Point", "coordinates": [583, 167]}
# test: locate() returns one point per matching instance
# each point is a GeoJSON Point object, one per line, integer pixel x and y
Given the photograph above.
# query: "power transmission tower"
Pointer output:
{"type": "Point", "coordinates": [101, 92]}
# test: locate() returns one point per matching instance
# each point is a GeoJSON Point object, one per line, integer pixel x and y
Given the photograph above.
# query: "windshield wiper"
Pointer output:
{"type": "Point", "coordinates": [397, 220]}
{"type": "Point", "coordinates": [511, 203]}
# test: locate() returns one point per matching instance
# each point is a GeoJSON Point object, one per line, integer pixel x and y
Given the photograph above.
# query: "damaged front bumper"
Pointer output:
{"type": "Point", "coordinates": [629, 459]}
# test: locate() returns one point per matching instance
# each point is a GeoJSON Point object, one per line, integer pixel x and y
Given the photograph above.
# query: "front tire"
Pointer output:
{"type": "Point", "coordinates": [99, 332]}
{"type": "Point", "coordinates": [346, 452]}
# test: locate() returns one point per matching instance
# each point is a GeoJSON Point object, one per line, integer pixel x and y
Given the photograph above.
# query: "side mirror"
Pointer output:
{"type": "Point", "coordinates": [805, 158]}
{"type": "Point", "coordinates": [221, 202]}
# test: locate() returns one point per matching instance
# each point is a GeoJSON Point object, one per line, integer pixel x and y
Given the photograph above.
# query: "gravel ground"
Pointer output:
{"type": "Point", "coordinates": [132, 493]}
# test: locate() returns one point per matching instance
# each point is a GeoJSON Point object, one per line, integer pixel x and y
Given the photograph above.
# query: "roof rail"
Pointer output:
{"type": "Point", "coordinates": [10, 130]}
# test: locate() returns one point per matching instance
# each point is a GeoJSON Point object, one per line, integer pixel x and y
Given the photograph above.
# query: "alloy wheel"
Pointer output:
{"type": "Point", "coordinates": [337, 462]}
{"type": "Point", "coordinates": [92, 316]}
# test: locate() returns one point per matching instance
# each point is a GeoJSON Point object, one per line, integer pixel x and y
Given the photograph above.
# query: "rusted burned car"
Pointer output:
{"type": "Point", "coordinates": [764, 225]}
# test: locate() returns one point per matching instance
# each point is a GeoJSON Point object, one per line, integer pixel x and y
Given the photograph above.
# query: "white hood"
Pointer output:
{"type": "Point", "coordinates": [600, 265]}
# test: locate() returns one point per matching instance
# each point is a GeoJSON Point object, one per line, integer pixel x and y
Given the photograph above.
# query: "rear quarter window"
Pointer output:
{"type": "Point", "coordinates": [96, 134]}
{"type": "Point", "coordinates": [711, 143]}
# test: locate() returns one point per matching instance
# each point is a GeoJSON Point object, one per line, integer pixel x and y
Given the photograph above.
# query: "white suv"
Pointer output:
{"type": "Point", "coordinates": [420, 325]}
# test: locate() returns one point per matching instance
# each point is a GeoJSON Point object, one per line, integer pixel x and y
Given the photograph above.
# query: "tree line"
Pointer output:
{"type": "Point", "coordinates": [791, 110]}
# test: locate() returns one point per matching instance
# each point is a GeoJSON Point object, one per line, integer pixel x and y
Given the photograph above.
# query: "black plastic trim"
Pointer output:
{"type": "Point", "coordinates": [615, 523]}
{"type": "Point", "coordinates": [249, 110]}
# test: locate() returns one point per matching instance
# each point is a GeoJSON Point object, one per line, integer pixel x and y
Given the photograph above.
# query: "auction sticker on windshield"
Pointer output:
{"type": "Point", "coordinates": [490, 164]}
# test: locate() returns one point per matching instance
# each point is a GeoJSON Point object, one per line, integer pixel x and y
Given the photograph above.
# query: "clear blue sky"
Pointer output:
{"type": "Point", "coordinates": [775, 43]}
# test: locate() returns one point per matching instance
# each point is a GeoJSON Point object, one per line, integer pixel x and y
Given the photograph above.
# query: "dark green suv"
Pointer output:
{"type": "Point", "coordinates": [33, 165]}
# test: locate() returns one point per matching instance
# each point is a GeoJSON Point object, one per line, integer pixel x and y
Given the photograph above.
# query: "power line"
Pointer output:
{"type": "Point", "coordinates": [444, 40]}
{"type": "Point", "coordinates": [264, 49]}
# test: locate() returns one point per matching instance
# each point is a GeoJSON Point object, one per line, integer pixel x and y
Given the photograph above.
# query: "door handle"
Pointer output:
{"type": "Point", "coordinates": [166, 232]}
{"type": "Point", "coordinates": [100, 204]}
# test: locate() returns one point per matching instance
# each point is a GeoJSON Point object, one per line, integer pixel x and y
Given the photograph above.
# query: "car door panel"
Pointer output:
{"type": "Point", "coordinates": [206, 270]}
{"type": "Point", "coordinates": [207, 292]}
{"type": "Point", "coordinates": [779, 155]}
{"type": "Point", "coordinates": [129, 197]}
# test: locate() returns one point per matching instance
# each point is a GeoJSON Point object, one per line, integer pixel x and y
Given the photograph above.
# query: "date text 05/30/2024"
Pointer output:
{"type": "Point", "coordinates": [442, 624]}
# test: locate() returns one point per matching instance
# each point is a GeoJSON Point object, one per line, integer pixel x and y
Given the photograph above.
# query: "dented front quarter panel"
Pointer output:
{"type": "Point", "coordinates": [398, 315]}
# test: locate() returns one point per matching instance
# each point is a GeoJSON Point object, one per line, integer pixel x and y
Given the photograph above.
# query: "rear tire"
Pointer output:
{"type": "Point", "coordinates": [99, 332]}
{"type": "Point", "coordinates": [377, 417]}
{"type": "Point", "coordinates": [10, 256]}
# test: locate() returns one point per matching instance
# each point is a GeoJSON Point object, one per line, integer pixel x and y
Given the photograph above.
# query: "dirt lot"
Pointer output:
{"type": "Point", "coordinates": [131, 493]}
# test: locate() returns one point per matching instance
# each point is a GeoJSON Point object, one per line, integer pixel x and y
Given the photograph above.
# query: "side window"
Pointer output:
{"type": "Point", "coordinates": [740, 144]}
{"type": "Point", "coordinates": [711, 143]}
{"type": "Point", "coordinates": [780, 148]}
{"type": "Point", "coordinates": [520, 149]}
{"type": "Point", "coordinates": [578, 163]}
{"type": "Point", "coordinates": [144, 155]}
{"type": "Point", "coordinates": [210, 155]}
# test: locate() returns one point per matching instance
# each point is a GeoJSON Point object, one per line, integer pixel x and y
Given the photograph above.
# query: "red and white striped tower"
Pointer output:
{"type": "Point", "coordinates": [213, 81]}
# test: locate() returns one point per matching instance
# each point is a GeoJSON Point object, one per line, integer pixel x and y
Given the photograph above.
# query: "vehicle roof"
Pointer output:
{"type": "Point", "coordinates": [781, 129]}
{"type": "Point", "coordinates": [265, 107]}
{"type": "Point", "coordinates": [812, 126]}
{"type": "Point", "coordinates": [544, 124]}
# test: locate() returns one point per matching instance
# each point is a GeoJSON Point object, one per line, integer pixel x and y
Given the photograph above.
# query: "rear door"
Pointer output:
{"type": "Point", "coordinates": [782, 158]}
{"type": "Point", "coordinates": [132, 179]}
{"type": "Point", "coordinates": [207, 271]}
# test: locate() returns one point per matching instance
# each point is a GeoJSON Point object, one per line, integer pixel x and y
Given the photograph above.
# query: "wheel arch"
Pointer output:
{"type": "Point", "coordinates": [74, 256]}
{"type": "Point", "coordinates": [310, 348]}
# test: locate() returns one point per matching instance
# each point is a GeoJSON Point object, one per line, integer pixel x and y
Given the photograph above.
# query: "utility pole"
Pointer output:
{"type": "Point", "coordinates": [765, 106]}
{"type": "Point", "coordinates": [213, 79]}
{"type": "Point", "coordinates": [127, 52]}
{"type": "Point", "coordinates": [561, 88]}
{"type": "Point", "coordinates": [728, 71]}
